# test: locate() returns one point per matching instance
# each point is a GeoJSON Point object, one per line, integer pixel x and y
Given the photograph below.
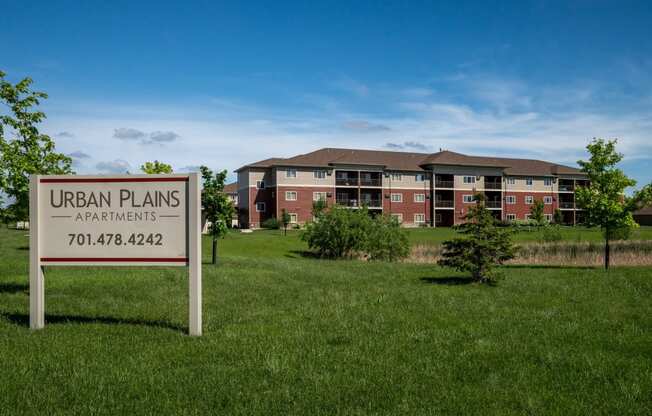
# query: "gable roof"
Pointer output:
{"type": "Point", "coordinates": [231, 188]}
{"type": "Point", "coordinates": [408, 161]}
{"type": "Point", "coordinates": [644, 211]}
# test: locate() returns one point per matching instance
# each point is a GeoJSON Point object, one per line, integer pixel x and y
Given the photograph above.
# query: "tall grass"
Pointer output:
{"type": "Point", "coordinates": [561, 253]}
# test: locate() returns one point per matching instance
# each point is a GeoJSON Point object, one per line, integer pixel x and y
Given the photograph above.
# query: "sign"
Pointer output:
{"type": "Point", "coordinates": [125, 220]}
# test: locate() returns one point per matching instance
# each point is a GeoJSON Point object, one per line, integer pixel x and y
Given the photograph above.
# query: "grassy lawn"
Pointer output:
{"type": "Point", "coordinates": [286, 334]}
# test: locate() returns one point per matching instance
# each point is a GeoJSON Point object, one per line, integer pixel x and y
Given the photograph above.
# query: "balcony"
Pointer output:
{"type": "Point", "coordinates": [443, 204]}
{"type": "Point", "coordinates": [566, 205]}
{"type": "Point", "coordinates": [370, 182]}
{"type": "Point", "coordinates": [354, 203]}
{"type": "Point", "coordinates": [493, 204]}
{"type": "Point", "coordinates": [346, 181]}
{"type": "Point", "coordinates": [493, 185]}
{"type": "Point", "coordinates": [444, 184]}
{"type": "Point", "coordinates": [566, 188]}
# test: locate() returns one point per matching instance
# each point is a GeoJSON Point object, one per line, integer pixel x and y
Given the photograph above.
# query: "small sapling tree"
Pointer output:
{"type": "Point", "coordinates": [536, 212]}
{"type": "Point", "coordinates": [318, 208]}
{"type": "Point", "coordinates": [155, 167]}
{"type": "Point", "coordinates": [604, 201]}
{"type": "Point", "coordinates": [217, 206]}
{"type": "Point", "coordinates": [483, 246]}
{"type": "Point", "coordinates": [558, 217]}
{"type": "Point", "coordinates": [285, 221]}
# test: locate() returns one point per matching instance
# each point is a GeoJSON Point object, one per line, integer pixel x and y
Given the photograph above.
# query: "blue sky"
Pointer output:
{"type": "Point", "coordinates": [224, 84]}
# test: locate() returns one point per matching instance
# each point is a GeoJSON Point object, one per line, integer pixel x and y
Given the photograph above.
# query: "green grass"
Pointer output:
{"type": "Point", "coordinates": [290, 335]}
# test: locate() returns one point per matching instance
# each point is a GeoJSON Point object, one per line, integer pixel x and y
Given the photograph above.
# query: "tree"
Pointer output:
{"type": "Point", "coordinates": [217, 206]}
{"type": "Point", "coordinates": [536, 212]}
{"type": "Point", "coordinates": [604, 201]}
{"type": "Point", "coordinates": [558, 217]}
{"type": "Point", "coordinates": [285, 221]}
{"type": "Point", "coordinates": [318, 208]}
{"type": "Point", "coordinates": [28, 151]}
{"type": "Point", "coordinates": [483, 246]}
{"type": "Point", "coordinates": [152, 168]}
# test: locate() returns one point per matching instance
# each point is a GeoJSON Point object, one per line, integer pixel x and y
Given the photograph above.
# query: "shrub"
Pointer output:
{"type": "Point", "coordinates": [339, 233]}
{"type": "Point", "coordinates": [345, 233]}
{"type": "Point", "coordinates": [386, 240]}
{"type": "Point", "coordinates": [271, 223]}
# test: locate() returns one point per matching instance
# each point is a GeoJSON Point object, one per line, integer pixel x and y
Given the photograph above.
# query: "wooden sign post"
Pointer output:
{"type": "Point", "coordinates": [125, 220]}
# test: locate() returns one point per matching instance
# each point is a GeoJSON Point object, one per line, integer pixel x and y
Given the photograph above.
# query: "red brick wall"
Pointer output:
{"type": "Point", "coordinates": [303, 205]}
{"type": "Point", "coordinates": [521, 208]}
{"type": "Point", "coordinates": [408, 207]}
{"type": "Point", "coordinates": [268, 196]}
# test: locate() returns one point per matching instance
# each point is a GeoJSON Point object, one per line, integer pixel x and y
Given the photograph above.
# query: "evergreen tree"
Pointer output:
{"type": "Point", "coordinates": [483, 246]}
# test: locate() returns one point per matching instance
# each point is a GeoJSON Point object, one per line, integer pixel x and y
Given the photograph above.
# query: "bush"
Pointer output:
{"type": "Point", "coordinates": [386, 240]}
{"type": "Point", "coordinates": [346, 233]}
{"type": "Point", "coordinates": [271, 223]}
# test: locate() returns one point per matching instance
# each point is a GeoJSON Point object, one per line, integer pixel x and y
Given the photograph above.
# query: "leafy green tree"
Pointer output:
{"type": "Point", "coordinates": [536, 212]}
{"type": "Point", "coordinates": [318, 208]}
{"type": "Point", "coordinates": [484, 245]}
{"type": "Point", "coordinates": [216, 204]}
{"type": "Point", "coordinates": [558, 217]}
{"type": "Point", "coordinates": [27, 151]}
{"type": "Point", "coordinates": [152, 168]}
{"type": "Point", "coordinates": [604, 201]}
{"type": "Point", "coordinates": [285, 221]}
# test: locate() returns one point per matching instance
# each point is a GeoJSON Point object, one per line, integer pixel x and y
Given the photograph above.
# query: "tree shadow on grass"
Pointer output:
{"type": "Point", "coordinates": [23, 248]}
{"type": "Point", "coordinates": [449, 281]}
{"type": "Point", "coordinates": [23, 320]}
{"type": "Point", "coordinates": [548, 266]}
{"type": "Point", "coordinates": [302, 253]}
{"type": "Point", "coordinates": [13, 287]}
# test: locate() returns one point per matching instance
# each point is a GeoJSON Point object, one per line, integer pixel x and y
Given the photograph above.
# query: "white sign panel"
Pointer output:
{"type": "Point", "coordinates": [100, 220]}
{"type": "Point", "coordinates": [116, 220]}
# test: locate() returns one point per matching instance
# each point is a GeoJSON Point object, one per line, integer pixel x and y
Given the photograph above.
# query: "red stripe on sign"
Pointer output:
{"type": "Point", "coordinates": [90, 180]}
{"type": "Point", "coordinates": [117, 259]}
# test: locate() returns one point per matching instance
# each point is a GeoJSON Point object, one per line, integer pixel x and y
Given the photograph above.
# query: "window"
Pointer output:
{"type": "Point", "coordinates": [397, 198]}
{"type": "Point", "coordinates": [528, 181]}
{"type": "Point", "coordinates": [529, 199]}
{"type": "Point", "coordinates": [527, 217]}
{"type": "Point", "coordinates": [419, 218]}
{"type": "Point", "coordinates": [319, 196]}
{"type": "Point", "coordinates": [396, 176]}
{"type": "Point", "coordinates": [511, 181]}
{"type": "Point", "coordinates": [399, 217]}
{"type": "Point", "coordinates": [548, 217]}
{"type": "Point", "coordinates": [511, 217]}
{"type": "Point", "coordinates": [547, 181]}
{"type": "Point", "coordinates": [469, 179]}
{"type": "Point", "coordinates": [260, 184]}
{"type": "Point", "coordinates": [547, 200]}
{"type": "Point", "coordinates": [260, 207]}
{"type": "Point", "coordinates": [420, 177]}
{"type": "Point", "coordinates": [293, 218]}
{"type": "Point", "coordinates": [510, 199]}
{"type": "Point", "coordinates": [419, 197]}
{"type": "Point", "coordinates": [291, 173]}
{"type": "Point", "coordinates": [290, 195]}
{"type": "Point", "coordinates": [320, 174]}
{"type": "Point", "coordinates": [467, 199]}
{"type": "Point", "coordinates": [438, 218]}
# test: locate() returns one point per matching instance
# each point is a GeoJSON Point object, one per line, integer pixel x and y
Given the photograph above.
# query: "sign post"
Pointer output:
{"type": "Point", "coordinates": [125, 220]}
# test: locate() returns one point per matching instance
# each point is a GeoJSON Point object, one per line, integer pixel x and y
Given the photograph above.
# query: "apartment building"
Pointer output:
{"type": "Point", "coordinates": [420, 189]}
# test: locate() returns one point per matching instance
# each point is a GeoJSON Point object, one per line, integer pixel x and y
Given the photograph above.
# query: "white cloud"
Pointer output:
{"type": "Point", "coordinates": [116, 166]}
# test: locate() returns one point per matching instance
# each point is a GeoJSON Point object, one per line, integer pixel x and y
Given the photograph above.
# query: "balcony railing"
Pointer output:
{"type": "Point", "coordinates": [371, 203]}
{"type": "Point", "coordinates": [444, 184]}
{"type": "Point", "coordinates": [370, 182]}
{"type": "Point", "coordinates": [566, 188]}
{"type": "Point", "coordinates": [346, 181]}
{"type": "Point", "coordinates": [443, 204]}
{"type": "Point", "coordinates": [493, 204]}
{"type": "Point", "coordinates": [564, 204]}
{"type": "Point", "coordinates": [493, 185]}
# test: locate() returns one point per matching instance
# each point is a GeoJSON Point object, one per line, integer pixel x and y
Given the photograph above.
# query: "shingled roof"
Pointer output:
{"type": "Point", "coordinates": [407, 161]}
